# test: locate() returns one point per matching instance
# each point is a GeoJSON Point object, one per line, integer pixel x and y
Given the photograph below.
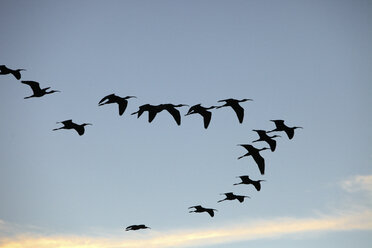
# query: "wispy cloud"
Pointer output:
{"type": "Point", "coordinates": [259, 229]}
{"type": "Point", "coordinates": [358, 183]}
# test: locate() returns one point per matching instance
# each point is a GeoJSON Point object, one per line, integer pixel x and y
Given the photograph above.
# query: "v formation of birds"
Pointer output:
{"type": "Point", "coordinates": [206, 114]}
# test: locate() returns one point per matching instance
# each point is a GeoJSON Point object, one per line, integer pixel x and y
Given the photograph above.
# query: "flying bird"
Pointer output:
{"type": "Point", "coordinates": [280, 126]}
{"type": "Point", "coordinates": [247, 180]}
{"type": "Point", "coordinates": [234, 104]}
{"type": "Point", "coordinates": [16, 73]}
{"type": "Point", "coordinates": [200, 209]}
{"type": "Point", "coordinates": [136, 227]}
{"type": "Point", "coordinates": [152, 109]}
{"type": "Point", "coordinates": [171, 108]}
{"type": "Point", "coordinates": [198, 109]}
{"type": "Point", "coordinates": [231, 196]}
{"type": "Point", "coordinates": [268, 139]}
{"type": "Point", "coordinates": [255, 153]}
{"type": "Point", "coordinates": [38, 92]}
{"type": "Point", "coordinates": [68, 124]}
{"type": "Point", "coordinates": [121, 101]}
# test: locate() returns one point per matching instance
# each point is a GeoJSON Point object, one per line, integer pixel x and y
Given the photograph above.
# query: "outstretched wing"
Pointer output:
{"type": "Point", "coordinates": [67, 122]}
{"type": "Point", "coordinates": [272, 144]}
{"type": "Point", "coordinates": [176, 115]}
{"type": "Point", "coordinates": [198, 206]}
{"type": "Point", "coordinates": [16, 74]}
{"type": "Point", "coordinates": [289, 132]}
{"type": "Point", "coordinates": [108, 97]}
{"type": "Point", "coordinates": [35, 86]}
{"type": "Point", "coordinates": [152, 114]}
{"type": "Point", "coordinates": [260, 161]}
{"type": "Point", "coordinates": [239, 112]}
{"type": "Point", "coordinates": [122, 106]}
{"type": "Point", "coordinates": [210, 211]}
{"type": "Point", "coordinates": [206, 118]}
{"type": "Point", "coordinates": [257, 185]}
{"type": "Point", "coordinates": [79, 129]}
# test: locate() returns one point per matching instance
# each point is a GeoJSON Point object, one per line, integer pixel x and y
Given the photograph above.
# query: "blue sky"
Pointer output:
{"type": "Point", "coordinates": [305, 62]}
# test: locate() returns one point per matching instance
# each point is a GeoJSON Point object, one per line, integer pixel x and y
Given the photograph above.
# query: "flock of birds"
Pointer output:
{"type": "Point", "coordinates": [153, 110]}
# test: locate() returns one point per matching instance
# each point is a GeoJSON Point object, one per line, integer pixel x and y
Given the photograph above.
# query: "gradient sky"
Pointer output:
{"type": "Point", "coordinates": [307, 62]}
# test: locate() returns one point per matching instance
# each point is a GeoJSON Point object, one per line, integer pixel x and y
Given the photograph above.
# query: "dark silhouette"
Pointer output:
{"type": "Point", "coordinates": [280, 126]}
{"type": "Point", "coordinates": [234, 104]}
{"type": "Point", "coordinates": [136, 227]}
{"type": "Point", "coordinates": [121, 101]}
{"type": "Point", "coordinates": [231, 196]}
{"type": "Point", "coordinates": [171, 108]}
{"type": "Point", "coordinates": [38, 92]}
{"type": "Point", "coordinates": [16, 73]}
{"type": "Point", "coordinates": [268, 139]}
{"type": "Point", "coordinates": [152, 109]}
{"type": "Point", "coordinates": [198, 109]}
{"type": "Point", "coordinates": [68, 124]}
{"type": "Point", "coordinates": [200, 209]}
{"type": "Point", "coordinates": [247, 180]}
{"type": "Point", "coordinates": [255, 153]}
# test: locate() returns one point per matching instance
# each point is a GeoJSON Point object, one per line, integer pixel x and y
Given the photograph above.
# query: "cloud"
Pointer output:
{"type": "Point", "coordinates": [259, 229]}
{"type": "Point", "coordinates": [358, 183]}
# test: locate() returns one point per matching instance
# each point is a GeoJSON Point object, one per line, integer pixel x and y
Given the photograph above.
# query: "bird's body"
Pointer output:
{"type": "Point", "coordinates": [255, 153]}
{"type": "Point", "coordinates": [121, 101]}
{"type": "Point", "coordinates": [68, 124]}
{"type": "Point", "coordinates": [171, 108]}
{"type": "Point", "coordinates": [198, 109]}
{"type": "Point", "coordinates": [200, 209]}
{"type": "Point", "coordinates": [136, 227]}
{"type": "Point", "coordinates": [152, 109]}
{"type": "Point", "coordinates": [247, 180]}
{"type": "Point", "coordinates": [234, 104]}
{"type": "Point", "coordinates": [231, 196]}
{"type": "Point", "coordinates": [38, 92]}
{"type": "Point", "coordinates": [16, 73]}
{"type": "Point", "coordinates": [280, 126]}
{"type": "Point", "coordinates": [268, 139]}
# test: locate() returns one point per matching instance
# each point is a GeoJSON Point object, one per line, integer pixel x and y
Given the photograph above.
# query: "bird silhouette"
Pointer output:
{"type": "Point", "coordinates": [255, 153]}
{"type": "Point", "coordinates": [234, 104]}
{"type": "Point", "coordinates": [171, 108]}
{"type": "Point", "coordinates": [152, 109]}
{"type": "Point", "coordinates": [231, 196]}
{"type": "Point", "coordinates": [268, 139]}
{"type": "Point", "coordinates": [280, 126]}
{"type": "Point", "coordinates": [38, 92]}
{"type": "Point", "coordinates": [200, 209]}
{"type": "Point", "coordinates": [121, 101]}
{"type": "Point", "coordinates": [136, 227]}
{"type": "Point", "coordinates": [68, 124]}
{"type": "Point", "coordinates": [16, 73]}
{"type": "Point", "coordinates": [247, 180]}
{"type": "Point", "coordinates": [198, 109]}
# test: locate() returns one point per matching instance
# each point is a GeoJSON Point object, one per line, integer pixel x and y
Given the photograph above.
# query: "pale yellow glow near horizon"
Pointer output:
{"type": "Point", "coordinates": [198, 237]}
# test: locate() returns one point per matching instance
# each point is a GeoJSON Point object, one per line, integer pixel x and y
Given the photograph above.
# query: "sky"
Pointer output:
{"type": "Point", "coordinates": [306, 62]}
